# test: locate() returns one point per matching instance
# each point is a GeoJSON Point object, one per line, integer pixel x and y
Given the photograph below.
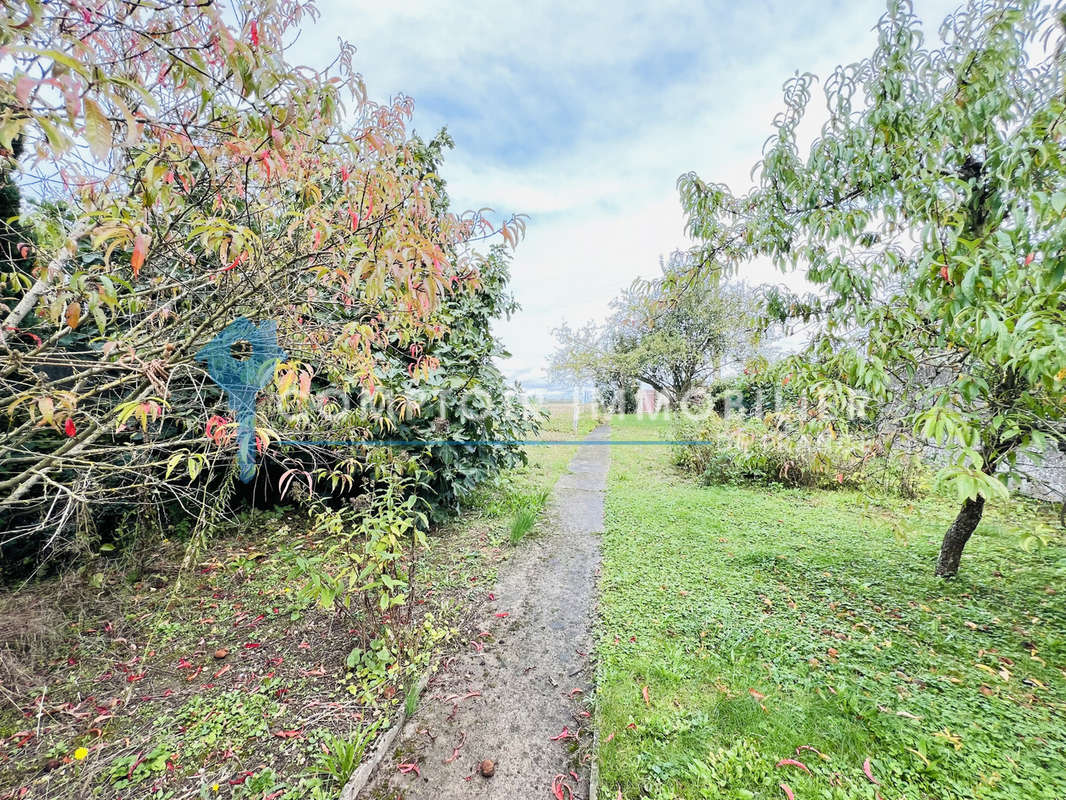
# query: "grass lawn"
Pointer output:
{"type": "Point", "coordinates": [110, 685]}
{"type": "Point", "coordinates": [745, 626]}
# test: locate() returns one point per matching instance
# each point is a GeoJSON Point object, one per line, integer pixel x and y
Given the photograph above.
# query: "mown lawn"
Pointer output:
{"type": "Point", "coordinates": [744, 626]}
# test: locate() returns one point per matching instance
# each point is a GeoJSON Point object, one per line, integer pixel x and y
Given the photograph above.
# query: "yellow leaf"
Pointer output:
{"type": "Point", "coordinates": [47, 408]}
{"type": "Point", "coordinates": [97, 130]}
{"type": "Point", "coordinates": [73, 315]}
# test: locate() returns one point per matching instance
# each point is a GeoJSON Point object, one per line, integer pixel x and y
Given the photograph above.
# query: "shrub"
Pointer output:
{"type": "Point", "coordinates": [778, 449]}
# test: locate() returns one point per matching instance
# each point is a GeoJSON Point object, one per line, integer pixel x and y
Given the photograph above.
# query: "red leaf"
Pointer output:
{"type": "Point", "coordinates": [791, 762]}
{"type": "Point", "coordinates": [239, 259]}
{"type": "Point", "coordinates": [644, 692]}
{"type": "Point", "coordinates": [252, 645]}
{"type": "Point", "coordinates": [788, 792]}
{"type": "Point", "coordinates": [255, 34]}
{"type": "Point", "coordinates": [68, 427]}
{"type": "Point", "coordinates": [502, 614]}
{"type": "Point", "coordinates": [288, 734]}
{"type": "Point", "coordinates": [869, 772]}
{"type": "Point", "coordinates": [140, 248]}
{"type": "Point", "coordinates": [1029, 259]}
{"type": "Point", "coordinates": [407, 768]}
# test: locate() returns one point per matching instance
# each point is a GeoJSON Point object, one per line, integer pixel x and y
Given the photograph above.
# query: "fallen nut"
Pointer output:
{"type": "Point", "coordinates": [488, 769]}
{"type": "Point", "coordinates": [222, 652]}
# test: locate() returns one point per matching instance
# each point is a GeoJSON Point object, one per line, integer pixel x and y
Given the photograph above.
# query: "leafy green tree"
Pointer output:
{"type": "Point", "coordinates": [672, 333]}
{"type": "Point", "coordinates": [929, 213]}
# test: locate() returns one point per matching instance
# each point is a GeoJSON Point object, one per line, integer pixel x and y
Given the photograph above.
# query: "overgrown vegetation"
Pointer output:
{"type": "Point", "coordinates": [206, 178]}
{"type": "Point", "coordinates": [260, 671]}
{"type": "Point", "coordinates": [777, 448]}
{"type": "Point", "coordinates": [757, 639]}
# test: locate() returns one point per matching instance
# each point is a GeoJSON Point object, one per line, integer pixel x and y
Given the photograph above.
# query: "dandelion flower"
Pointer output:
{"type": "Point", "coordinates": [81, 754]}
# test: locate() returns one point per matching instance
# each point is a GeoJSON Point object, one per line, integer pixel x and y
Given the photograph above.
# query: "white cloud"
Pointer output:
{"type": "Point", "coordinates": [583, 114]}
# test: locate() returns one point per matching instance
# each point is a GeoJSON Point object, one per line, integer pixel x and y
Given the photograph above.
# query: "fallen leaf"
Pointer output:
{"type": "Point", "coordinates": [644, 692]}
{"type": "Point", "coordinates": [788, 792]}
{"type": "Point", "coordinates": [869, 772]}
{"type": "Point", "coordinates": [791, 762]}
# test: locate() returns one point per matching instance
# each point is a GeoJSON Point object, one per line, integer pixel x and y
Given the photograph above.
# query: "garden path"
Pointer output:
{"type": "Point", "coordinates": [510, 701]}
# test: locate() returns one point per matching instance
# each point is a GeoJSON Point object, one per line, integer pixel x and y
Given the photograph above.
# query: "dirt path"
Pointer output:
{"type": "Point", "coordinates": [510, 702]}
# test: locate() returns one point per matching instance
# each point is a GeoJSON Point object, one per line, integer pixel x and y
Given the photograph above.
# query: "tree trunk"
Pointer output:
{"type": "Point", "coordinates": [947, 566]}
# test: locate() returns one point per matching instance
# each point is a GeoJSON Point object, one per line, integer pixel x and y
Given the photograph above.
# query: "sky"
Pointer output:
{"type": "Point", "coordinates": [583, 115]}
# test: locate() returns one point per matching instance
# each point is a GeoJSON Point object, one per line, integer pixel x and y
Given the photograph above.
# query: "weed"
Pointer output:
{"type": "Point", "coordinates": [522, 524]}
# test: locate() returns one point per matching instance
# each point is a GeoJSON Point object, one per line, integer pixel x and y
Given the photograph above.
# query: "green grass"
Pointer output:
{"type": "Point", "coordinates": [762, 621]}
{"type": "Point", "coordinates": [523, 523]}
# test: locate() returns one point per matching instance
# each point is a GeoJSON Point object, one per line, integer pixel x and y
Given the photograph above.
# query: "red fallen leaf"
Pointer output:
{"type": "Point", "coordinates": [820, 754]}
{"type": "Point", "coordinates": [304, 646]}
{"type": "Point", "coordinates": [575, 691]}
{"type": "Point", "coordinates": [611, 736]}
{"type": "Point", "coordinates": [288, 734]}
{"type": "Point", "coordinates": [791, 762]}
{"type": "Point", "coordinates": [184, 664]}
{"type": "Point", "coordinates": [631, 725]}
{"type": "Point", "coordinates": [478, 646]}
{"type": "Point", "coordinates": [252, 645]}
{"type": "Point", "coordinates": [226, 668]}
{"type": "Point", "coordinates": [134, 678]}
{"type": "Point", "coordinates": [68, 427]}
{"type": "Point", "coordinates": [757, 695]}
{"type": "Point", "coordinates": [566, 734]}
{"type": "Point", "coordinates": [560, 789]}
{"type": "Point", "coordinates": [574, 775]}
{"type": "Point", "coordinates": [788, 792]}
{"type": "Point", "coordinates": [457, 748]}
{"type": "Point", "coordinates": [408, 768]}
{"type": "Point", "coordinates": [644, 693]}
{"type": "Point", "coordinates": [1029, 259]}
{"type": "Point", "coordinates": [502, 614]}
{"type": "Point", "coordinates": [869, 772]}
{"type": "Point", "coordinates": [136, 763]}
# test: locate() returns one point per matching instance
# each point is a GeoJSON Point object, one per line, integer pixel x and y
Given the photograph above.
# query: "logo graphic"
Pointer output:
{"type": "Point", "coordinates": [241, 377]}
